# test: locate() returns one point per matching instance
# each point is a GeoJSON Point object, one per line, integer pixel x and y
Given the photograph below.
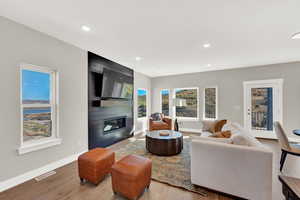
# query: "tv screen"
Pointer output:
{"type": "Point", "coordinates": [116, 85]}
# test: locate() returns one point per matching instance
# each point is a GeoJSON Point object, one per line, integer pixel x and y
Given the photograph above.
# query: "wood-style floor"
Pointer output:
{"type": "Point", "coordinates": [65, 185]}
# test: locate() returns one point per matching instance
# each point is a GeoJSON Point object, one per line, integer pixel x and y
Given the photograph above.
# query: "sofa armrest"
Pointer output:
{"type": "Point", "coordinates": [234, 169]}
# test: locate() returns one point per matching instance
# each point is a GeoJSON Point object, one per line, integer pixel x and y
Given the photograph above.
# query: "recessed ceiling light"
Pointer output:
{"type": "Point", "coordinates": [138, 58]}
{"type": "Point", "coordinates": [208, 65]}
{"type": "Point", "coordinates": [296, 36]}
{"type": "Point", "coordinates": [206, 45]}
{"type": "Point", "coordinates": [85, 28]}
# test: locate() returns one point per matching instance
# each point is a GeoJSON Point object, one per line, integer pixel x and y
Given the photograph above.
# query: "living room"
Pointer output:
{"type": "Point", "coordinates": [151, 102]}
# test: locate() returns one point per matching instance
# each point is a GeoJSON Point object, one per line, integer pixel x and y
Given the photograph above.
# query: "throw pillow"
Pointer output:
{"type": "Point", "coordinates": [207, 124]}
{"type": "Point", "coordinates": [217, 126]}
{"type": "Point", "coordinates": [157, 117]}
{"type": "Point", "coordinates": [221, 134]}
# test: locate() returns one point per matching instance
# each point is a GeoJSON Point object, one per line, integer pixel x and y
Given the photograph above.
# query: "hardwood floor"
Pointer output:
{"type": "Point", "coordinates": [65, 185]}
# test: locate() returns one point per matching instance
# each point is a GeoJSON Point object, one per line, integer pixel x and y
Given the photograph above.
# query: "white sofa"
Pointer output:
{"type": "Point", "coordinates": [240, 170]}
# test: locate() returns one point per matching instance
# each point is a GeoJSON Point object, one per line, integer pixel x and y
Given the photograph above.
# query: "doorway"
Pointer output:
{"type": "Point", "coordinates": [262, 106]}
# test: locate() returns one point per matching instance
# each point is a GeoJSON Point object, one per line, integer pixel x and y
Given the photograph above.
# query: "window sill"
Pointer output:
{"type": "Point", "coordinates": [142, 118]}
{"type": "Point", "coordinates": [34, 146]}
{"type": "Point", "coordinates": [186, 119]}
{"type": "Point", "coordinates": [210, 119]}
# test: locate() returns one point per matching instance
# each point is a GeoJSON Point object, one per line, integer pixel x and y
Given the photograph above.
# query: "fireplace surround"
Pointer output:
{"type": "Point", "coordinates": [110, 105]}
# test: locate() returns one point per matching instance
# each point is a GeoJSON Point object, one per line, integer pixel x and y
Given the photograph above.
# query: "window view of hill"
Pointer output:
{"type": "Point", "coordinates": [165, 102]}
{"type": "Point", "coordinates": [210, 103]}
{"type": "Point", "coordinates": [186, 103]}
{"type": "Point", "coordinates": [142, 103]}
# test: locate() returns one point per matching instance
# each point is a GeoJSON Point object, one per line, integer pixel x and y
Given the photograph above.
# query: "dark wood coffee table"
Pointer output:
{"type": "Point", "coordinates": [164, 145]}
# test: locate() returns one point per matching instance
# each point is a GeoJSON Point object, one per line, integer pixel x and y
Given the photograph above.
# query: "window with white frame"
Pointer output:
{"type": "Point", "coordinates": [165, 101]}
{"type": "Point", "coordinates": [186, 103]}
{"type": "Point", "coordinates": [142, 103]}
{"type": "Point", "coordinates": [210, 103]}
{"type": "Point", "coordinates": [38, 106]}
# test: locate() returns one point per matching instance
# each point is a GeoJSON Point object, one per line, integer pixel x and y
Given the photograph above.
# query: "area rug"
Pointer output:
{"type": "Point", "coordinates": [172, 170]}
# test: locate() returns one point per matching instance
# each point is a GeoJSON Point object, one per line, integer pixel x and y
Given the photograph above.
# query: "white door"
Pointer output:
{"type": "Point", "coordinates": [262, 106]}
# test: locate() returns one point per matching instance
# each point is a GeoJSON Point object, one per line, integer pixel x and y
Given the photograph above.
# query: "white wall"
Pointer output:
{"type": "Point", "coordinates": [230, 91]}
{"type": "Point", "coordinates": [141, 81]}
{"type": "Point", "coordinates": [21, 44]}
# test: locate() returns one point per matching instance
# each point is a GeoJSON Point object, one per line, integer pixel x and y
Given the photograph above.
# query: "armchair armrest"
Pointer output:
{"type": "Point", "coordinates": [168, 121]}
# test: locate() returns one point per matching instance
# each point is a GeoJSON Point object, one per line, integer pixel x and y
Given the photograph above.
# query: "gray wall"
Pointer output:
{"type": "Point", "coordinates": [20, 44]}
{"type": "Point", "coordinates": [230, 91]}
{"type": "Point", "coordinates": [144, 82]}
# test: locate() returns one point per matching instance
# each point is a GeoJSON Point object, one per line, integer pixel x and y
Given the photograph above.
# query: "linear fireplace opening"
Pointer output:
{"type": "Point", "coordinates": [114, 124]}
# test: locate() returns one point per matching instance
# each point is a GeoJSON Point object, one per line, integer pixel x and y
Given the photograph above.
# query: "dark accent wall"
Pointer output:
{"type": "Point", "coordinates": [101, 109]}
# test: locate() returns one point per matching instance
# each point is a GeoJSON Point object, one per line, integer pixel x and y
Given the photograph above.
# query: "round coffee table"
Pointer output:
{"type": "Point", "coordinates": [164, 145]}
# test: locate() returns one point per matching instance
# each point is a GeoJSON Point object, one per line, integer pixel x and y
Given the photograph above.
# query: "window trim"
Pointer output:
{"type": "Point", "coordinates": [217, 102]}
{"type": "Point", "coordinates": [161, 101]}
{"type": "Point", "coordinates": [33, 145]}
{"type": "Point", "coordinates": [142, 118]}
{"type": "Point", "coordinates": [174, 105]}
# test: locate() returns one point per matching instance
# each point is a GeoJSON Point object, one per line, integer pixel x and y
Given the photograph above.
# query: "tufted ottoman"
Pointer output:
{"type": "Point", "coordinates": [95, 164]}
{"type": "Point", "coordinates": [131, 175]}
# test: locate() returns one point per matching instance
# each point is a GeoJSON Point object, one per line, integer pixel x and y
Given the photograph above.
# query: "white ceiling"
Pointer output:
{"type": "Point", "coordinates": [169, 34]}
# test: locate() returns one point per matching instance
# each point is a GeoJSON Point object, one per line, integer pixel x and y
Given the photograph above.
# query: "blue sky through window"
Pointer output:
{"type": "Point", "coordinates": [35, 86]}
{"type": "Point", "coordinates": [165, 92]}
{"type": "Point", "coordinates": [142, 92]}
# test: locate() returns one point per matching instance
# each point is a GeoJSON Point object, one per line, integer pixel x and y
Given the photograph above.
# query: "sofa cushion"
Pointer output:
{"type": "Point", "coordinates": [205, 134]}
{"type": "Point", "coordinates": [159, 123]}
{"type": "Point", "coordinates": [222, 140]}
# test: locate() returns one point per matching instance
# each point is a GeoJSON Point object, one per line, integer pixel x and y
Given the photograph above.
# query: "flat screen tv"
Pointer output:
{"type": "Point", "coordinates": [116, 85]}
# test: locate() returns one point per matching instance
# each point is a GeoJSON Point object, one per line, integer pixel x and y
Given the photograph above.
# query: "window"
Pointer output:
{"type": "Point", "coordinates": [262, 109]}
{"type": "Point", "coordinates": [38, 107]}
{"type": "Point", "coordinates": [210, 103]}
{"type": "Point", "coordinates": [142, 103]}
{"type": "Point", "coordinates": [186, 103]}
{"type": "Point", "coordinates": [165, 102]}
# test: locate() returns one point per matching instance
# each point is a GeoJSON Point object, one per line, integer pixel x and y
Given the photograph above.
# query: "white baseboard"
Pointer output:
{"type": "Point", "coordinates": [192, 130]}
{"type": "Point", "coordinates": [12, 182]}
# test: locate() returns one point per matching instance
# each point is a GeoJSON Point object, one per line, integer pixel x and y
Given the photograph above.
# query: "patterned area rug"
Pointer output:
{"type": "Point", "coordinates": [173, 170]}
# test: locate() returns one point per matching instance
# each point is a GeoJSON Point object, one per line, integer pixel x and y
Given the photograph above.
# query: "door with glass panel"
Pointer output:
{"type": "Point", "coordinates": [263, 106]}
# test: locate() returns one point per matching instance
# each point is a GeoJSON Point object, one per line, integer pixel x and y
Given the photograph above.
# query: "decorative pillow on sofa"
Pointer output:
{"type": "Point", "coordinates": [213, 126]}
{"type": "Point", "coordinates": [221, 134]}
{"type": "Point", "coordinates": [207, 124]}
{"type": "Point", "coordinates": [219, 125]}
{"type": "Point", "coordinates": [243, 137]}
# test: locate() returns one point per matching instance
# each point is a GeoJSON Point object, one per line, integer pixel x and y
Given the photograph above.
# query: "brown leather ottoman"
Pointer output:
{"type": "Point", "coordinates": [131, 175]}
{"type": "Point", "coordinates": [95, 164]}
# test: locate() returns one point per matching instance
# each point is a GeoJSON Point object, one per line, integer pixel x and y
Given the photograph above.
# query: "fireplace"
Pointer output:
{"type": "Point", "coordinates": [113, 124]}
